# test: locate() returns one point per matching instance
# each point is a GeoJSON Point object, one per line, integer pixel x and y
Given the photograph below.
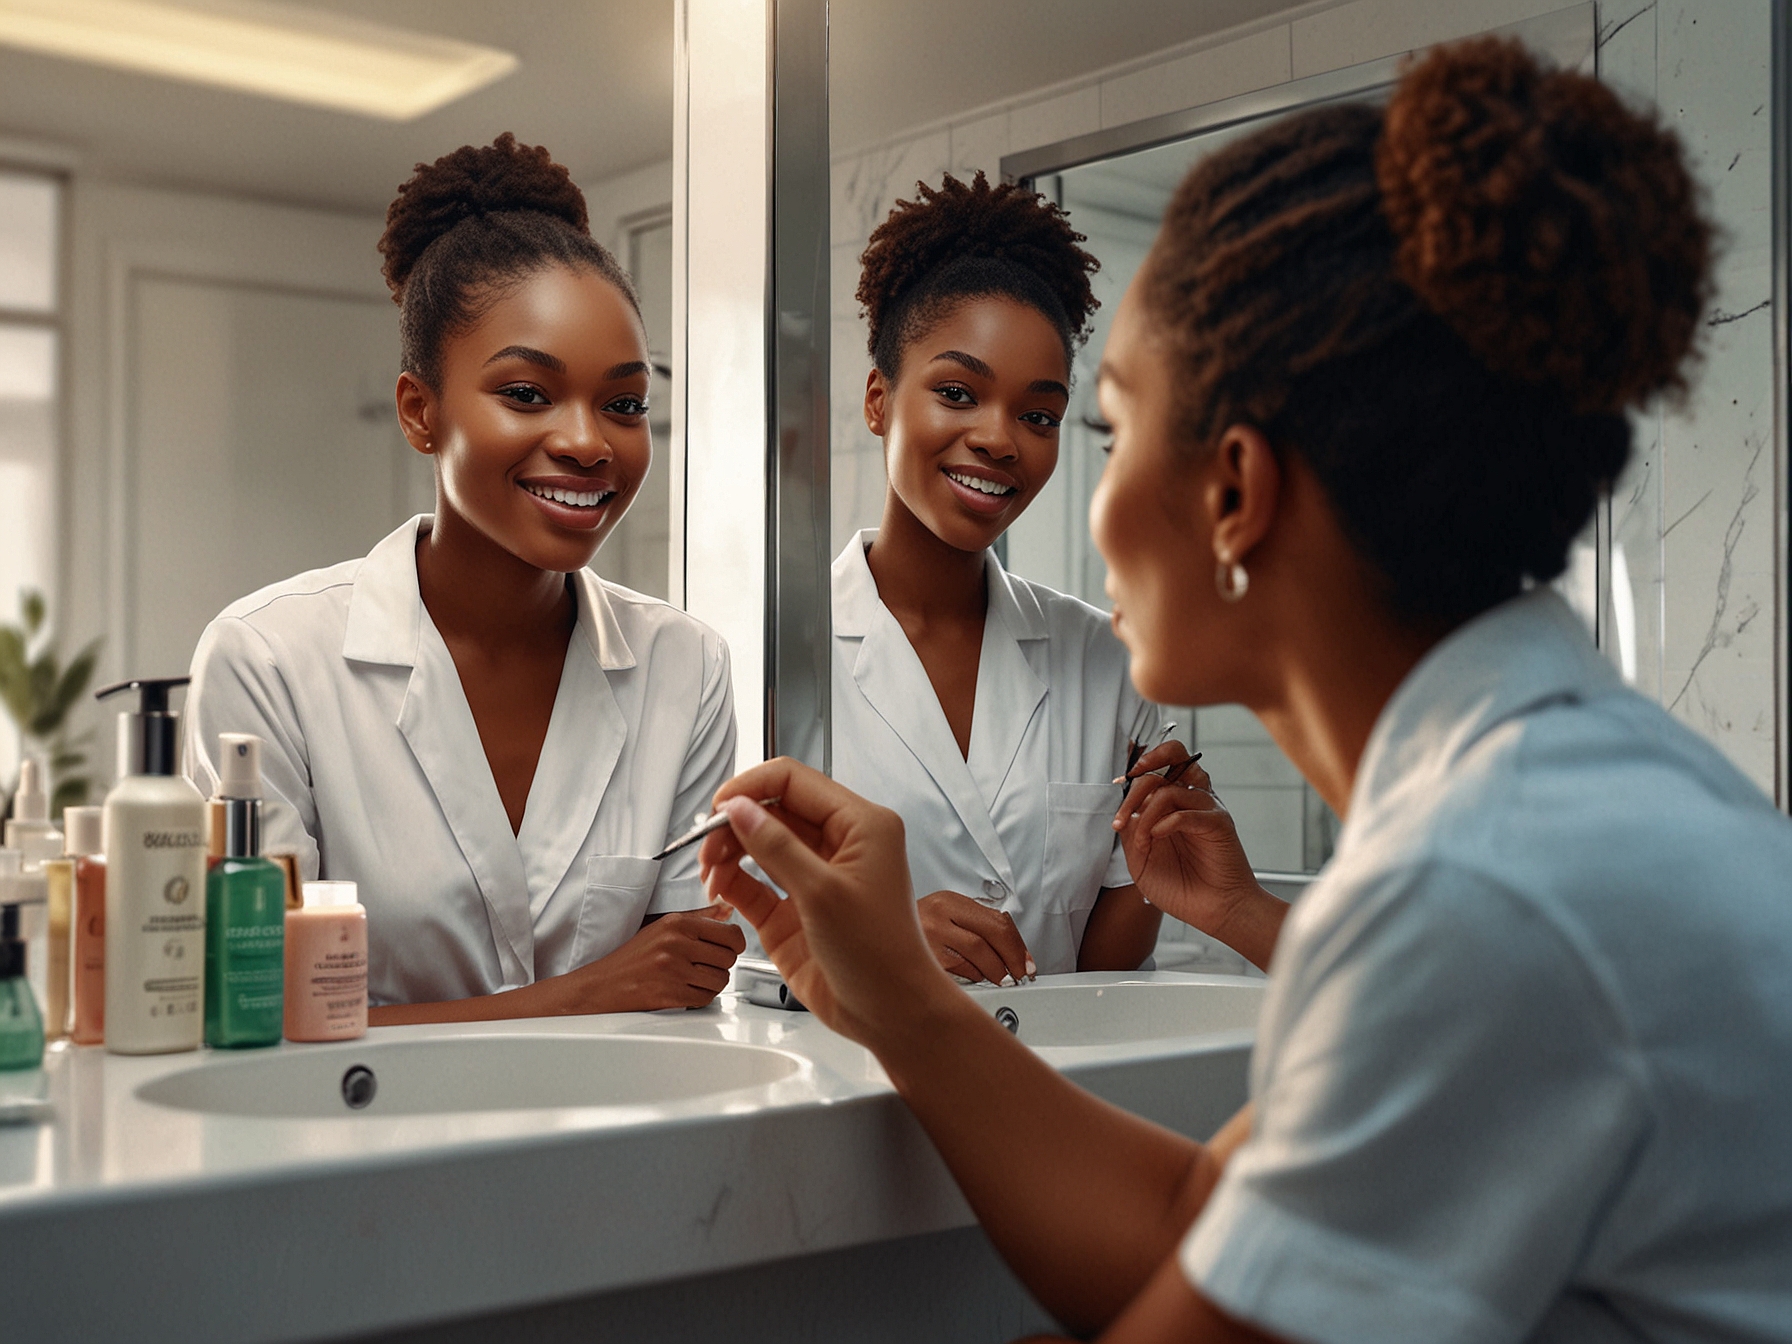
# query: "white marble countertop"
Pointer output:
{"type": "Point", "coordinates": [124, 1217]}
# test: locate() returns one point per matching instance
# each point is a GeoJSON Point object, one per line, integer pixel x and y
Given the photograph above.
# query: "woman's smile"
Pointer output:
{"type": "Point", "coordinates": [571, 501]}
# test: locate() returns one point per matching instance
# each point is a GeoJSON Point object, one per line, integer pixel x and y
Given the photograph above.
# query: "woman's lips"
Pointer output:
{"type": "Point", "coordinates": [568, 511]}
{"type": "Point", "coordinates": [977, 500]}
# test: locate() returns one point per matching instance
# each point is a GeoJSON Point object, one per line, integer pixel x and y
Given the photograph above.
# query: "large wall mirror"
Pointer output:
{"type": "Point", "coordinates": [197, 351]}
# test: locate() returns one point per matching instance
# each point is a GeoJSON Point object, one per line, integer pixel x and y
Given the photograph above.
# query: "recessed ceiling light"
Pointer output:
{"type": "Point", "coordinates": [277, 51]}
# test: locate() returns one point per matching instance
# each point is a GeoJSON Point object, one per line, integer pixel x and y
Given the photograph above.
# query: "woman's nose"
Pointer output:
{"type": "Point", "coordinates": [581, 438]}
{"type": "Point", "coordinates": [990, 435]}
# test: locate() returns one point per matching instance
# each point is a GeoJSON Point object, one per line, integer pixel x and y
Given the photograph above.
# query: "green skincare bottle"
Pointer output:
{"type": "Point", "coordinates": [245, 912]}
{"type": "Point", "coordinates": [21, 1025]}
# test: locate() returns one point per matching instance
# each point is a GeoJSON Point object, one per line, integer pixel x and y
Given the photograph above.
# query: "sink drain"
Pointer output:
{"type": "Point", "coordinates": [359, 1086]}
{"type": "Point", "coordinates": [1009, 1018]}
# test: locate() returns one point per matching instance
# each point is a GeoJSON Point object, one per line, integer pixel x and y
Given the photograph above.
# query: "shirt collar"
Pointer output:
{"type": "Point", "coordinates": [1522, 654]}
{"type": "Point", "coordinates": [385, 610]}
{"type": "Point", "coordinates": [1011, 601]}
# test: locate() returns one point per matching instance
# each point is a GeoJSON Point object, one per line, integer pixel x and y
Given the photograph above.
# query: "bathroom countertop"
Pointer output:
{"type": "Point", "coordinates": [125, 1217]}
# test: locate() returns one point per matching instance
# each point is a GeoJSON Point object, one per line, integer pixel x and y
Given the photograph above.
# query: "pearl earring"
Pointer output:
{"type": "Point", "coordinates": [1230, 578]}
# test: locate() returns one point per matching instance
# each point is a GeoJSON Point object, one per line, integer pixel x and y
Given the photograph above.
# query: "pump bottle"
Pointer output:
{"type": "Point", "coordinates": [30, 830]}
{"type": "Point", "coordinates": [21, 1025]}
{"type": "Point", "coordinates": [155, 884]}
{"type": "Point", "coordinates": [245, 910]}
{"type": "Point", "coordinates": [87, 922]}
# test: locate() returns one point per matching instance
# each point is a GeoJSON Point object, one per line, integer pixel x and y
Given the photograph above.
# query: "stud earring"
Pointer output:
{"type": "Point", "coordinates": [1230, 578]}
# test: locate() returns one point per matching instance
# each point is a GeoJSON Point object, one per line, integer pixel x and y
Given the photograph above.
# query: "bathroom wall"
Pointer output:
{"type": "Point", "coordinates": [1693, 618]}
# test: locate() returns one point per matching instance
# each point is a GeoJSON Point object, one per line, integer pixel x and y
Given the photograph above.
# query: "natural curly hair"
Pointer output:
{"type": "Point", "coordinates": [465, 228]}
{"type": "Point", "coordinates": [1445, 309]}
{"type": "Point", "coordinates": [971, 240]}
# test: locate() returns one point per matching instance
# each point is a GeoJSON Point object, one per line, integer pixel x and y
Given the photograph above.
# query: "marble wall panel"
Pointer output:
{"type": "Point", "coordinates": [1370, 29]}
{"type": "Point", "coordinates": [980, 144]}
{"type": "Point", "coordinates": [1253, 62]}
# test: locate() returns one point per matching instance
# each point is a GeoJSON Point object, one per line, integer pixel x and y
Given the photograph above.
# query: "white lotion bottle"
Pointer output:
{"type": "Point", "coordinates": [155, 884]}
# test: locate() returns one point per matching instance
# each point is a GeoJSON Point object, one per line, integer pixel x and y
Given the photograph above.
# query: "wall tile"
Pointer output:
{"type": "Point", "coordinates": [867, 184]}
{"type": "Point", "coordinates": [1253, 62]}
{"type": "Point", "coordinates": [1370, 29]}
{"type": "Point", "coordinates": [980, 144]}
{"type": "Point", "coordinates": [1045, 123]}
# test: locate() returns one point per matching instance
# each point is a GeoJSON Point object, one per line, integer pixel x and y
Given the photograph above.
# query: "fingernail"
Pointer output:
{"type": "Point", "coordinates": [1007, 982]}
{"type": "Point", "coordinates": [745, 815]}
{"type": "Point", "coordinates": [1032, 970]}
{"type": "Point", "coordinates": [1120, 779]}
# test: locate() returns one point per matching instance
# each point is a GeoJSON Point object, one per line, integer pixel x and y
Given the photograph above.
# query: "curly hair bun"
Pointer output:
{"type": "Point", "coordinates": [472, 182]}
{"type": "Point", "coordinates": [958, 225]}
{"type": "Point", "coordinates": [1555, 230]}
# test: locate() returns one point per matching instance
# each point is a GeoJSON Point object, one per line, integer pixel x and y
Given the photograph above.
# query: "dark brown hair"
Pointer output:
{"type": "Point", "coordinates": [1445, 309]}
{"type": "Point", "coordinates": [971, 240]}
{"type": "Point", "coordinates": [466, 227]}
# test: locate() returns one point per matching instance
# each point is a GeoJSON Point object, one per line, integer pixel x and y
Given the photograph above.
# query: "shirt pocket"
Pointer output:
{"type": "Point", "coordinates": [1079, 840]}
{"type": "Point", "coordinates": [618, 890]}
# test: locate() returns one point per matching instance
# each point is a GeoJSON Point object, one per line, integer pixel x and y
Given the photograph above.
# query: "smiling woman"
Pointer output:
{"type": "Point", "coordinates": [468, 722]}
{"type": "Point", "coordinates": [991, 712]}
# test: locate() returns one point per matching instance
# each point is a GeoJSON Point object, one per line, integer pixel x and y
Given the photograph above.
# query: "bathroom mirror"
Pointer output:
{"type": "Point", "coordinates": [1108, 131]}
{"type": "Point", "coordinates": [196, 384]}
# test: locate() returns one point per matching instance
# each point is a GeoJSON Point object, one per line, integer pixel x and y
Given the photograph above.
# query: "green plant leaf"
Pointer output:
{"type": "Point", "coordinates": [64, 760]}
{"type": "Point", "coordinates": [74, 681]}
{"type": "Point", "coordinates": [70, 792]}
{"type": "Point", "coordinates": [15, 679]}
{"type": "Point", "coordinates": [31, 604]}
{"type": "Point", "coordinates": [42, 686]}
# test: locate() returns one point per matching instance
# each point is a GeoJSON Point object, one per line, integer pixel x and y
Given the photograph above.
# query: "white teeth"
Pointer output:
{"type": "Point", "coordinates": [584, 499]}
{"type": "Point", "coordinates": [980, 485]}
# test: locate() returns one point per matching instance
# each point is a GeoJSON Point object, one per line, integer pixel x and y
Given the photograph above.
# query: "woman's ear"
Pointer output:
{"type": "Point", "coordinates": [1242, 493]}
{"type": "Point", "coordinates": [877, 393]}
{"type": "Point", "coordinates": [416, 412]}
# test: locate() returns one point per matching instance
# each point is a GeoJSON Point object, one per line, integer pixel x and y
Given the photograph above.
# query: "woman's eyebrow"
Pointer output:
{"type": "Point", "coordinates": [970, 362]}
{"type": "Point", "coordinates": [532, 355]}
{"type": "Point", "coordinates": [1048, 385]}
{"type": "Point", "coordinates": [628, 370]}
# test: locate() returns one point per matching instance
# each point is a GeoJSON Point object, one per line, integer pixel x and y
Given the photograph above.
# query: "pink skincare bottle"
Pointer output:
{"type": "Point", "coordinates": [326, 965]}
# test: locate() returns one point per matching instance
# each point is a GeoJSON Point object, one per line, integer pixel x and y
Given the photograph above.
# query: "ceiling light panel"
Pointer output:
{"type": "Point", "coordinates": [275, 51]}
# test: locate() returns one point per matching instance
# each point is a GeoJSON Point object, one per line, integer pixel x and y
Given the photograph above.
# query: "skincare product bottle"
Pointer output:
{"type": "Point", "coordinates": [87, 923]}
{"type": "Point", "coordinates": [245, 910]}
{"type": "Point", "coordinates": [59, 882]}
{"type": "Point", "coordinates": [155, 884]}
{"type": "Point", "coordinates": [30, 830]}
{"type": "Point", "coordinates": [326, 965]}
{"type": "Point", "coordinates": [25, 886]}
{"type": "Point", "coordinates": [21, 1029]}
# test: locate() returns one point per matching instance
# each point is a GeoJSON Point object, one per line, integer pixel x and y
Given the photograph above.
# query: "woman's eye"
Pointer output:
{"type": "Point", "coordinates": [1101, 428]}
{"type": "Point", "coordinates": [956, 393]}
{"type": "Point", "coordinates": [1044, 419]}
{"type": "Point", "coordinates": [633, 407]}
{"type": "Point", "coordinates": [523, 394]}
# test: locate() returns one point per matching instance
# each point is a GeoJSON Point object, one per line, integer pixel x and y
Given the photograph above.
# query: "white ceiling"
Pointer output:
{"type": "Point", "coordinates": [595, 86]}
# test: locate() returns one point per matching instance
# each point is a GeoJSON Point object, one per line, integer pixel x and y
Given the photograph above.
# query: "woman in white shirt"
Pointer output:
{"type": "Point", "coordinates": [1522, 1069]}
{"type": "Point", "coordinates": [991, 712]}
{"type": "Point", "coordinates": [470, 724]}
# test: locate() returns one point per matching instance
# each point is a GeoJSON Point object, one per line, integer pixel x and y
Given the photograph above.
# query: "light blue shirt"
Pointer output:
{"type": "Point", "coordinates": [1525, 1066]}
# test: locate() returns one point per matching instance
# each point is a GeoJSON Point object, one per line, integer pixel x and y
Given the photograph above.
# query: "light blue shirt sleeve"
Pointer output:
{"type": "Point", "coordinates": [1447, 1096]}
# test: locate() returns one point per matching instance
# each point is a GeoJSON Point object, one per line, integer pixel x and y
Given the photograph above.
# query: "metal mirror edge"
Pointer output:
{"type": "Point", "coordinates": [1781, 132]}
{"type": "Point", "coordinates": [798, 627]}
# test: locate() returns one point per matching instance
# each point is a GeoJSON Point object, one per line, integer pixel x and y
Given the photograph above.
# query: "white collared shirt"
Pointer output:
{"type": "Point", "coordinates": [1525, 1065]}
{"type": "Point", "coordinates": [374, 771]}
{"type": "Point", "coordinates": [1024, 824]}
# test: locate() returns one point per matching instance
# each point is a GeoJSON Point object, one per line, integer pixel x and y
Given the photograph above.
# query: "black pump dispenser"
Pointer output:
{"type": "Point", "coordinates": [149, 739]}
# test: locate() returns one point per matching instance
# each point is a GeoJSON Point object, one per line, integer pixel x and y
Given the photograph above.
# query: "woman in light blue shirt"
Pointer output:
{"type": "Point", "coordinates": [1525, 1065]}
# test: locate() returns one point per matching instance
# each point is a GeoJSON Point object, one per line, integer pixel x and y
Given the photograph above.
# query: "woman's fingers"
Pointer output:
{"type": "Point", "coordinates": [997, 931]}
{"type": "Point", "coordinates": [982, 960]}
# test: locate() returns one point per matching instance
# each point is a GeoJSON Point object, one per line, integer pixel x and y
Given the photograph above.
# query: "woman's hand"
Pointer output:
{"type": "Point", "coordinates": [848, 941]}
{"type": "Point", "coordinates": [1183, 851]}
{"type": "Point", "coordinates": [676, 961]}
{"type": "Point", "coordinates": [973, 941]}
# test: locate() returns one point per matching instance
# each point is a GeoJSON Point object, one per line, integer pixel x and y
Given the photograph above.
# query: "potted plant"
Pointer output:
{"type": "Point", "coordinates": [38, 692]}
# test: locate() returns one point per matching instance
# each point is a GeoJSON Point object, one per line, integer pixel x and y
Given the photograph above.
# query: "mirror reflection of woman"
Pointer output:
{"type": "Point", "coordinates": [1522, 1067]}
{"type": "Point", "coordinates": [468, 722]}
{"type": "Point", "coordinates": [991, 712]}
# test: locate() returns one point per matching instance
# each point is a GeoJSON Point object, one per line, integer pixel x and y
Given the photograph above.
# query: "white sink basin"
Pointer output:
{"type": "Point", "coordinates": [468, 1073]}
{"type": "Point", "coordinates": [1104, 1009]}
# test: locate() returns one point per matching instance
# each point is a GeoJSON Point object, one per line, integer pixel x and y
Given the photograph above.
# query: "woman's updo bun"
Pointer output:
{"type": "Point", "coordinates": [971, 240]}
{"type": "Point", "coordinates": [1444, 309]}
{"type": "Point", "coordinates": [1553, 229]}
{"type": "Point", "coordinates": [472, 222]}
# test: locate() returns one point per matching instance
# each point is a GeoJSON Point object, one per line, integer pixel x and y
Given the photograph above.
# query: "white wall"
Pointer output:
{"type": "Point", "coordinates": [1694, 518]}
